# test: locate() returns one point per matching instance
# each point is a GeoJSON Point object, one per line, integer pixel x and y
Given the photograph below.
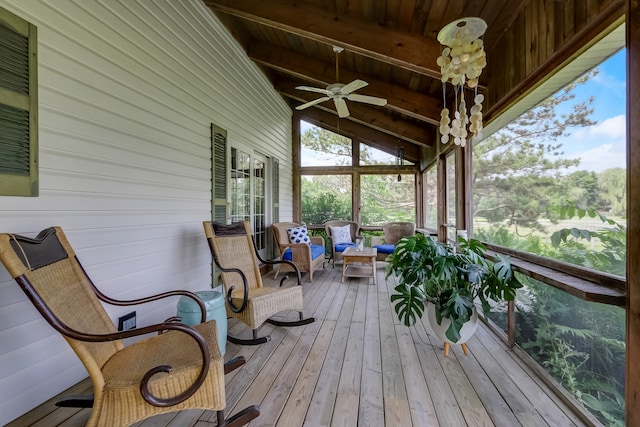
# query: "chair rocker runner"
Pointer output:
{"type": "Point", "coordinates": [236, 257]}
{"type": "Point", "coordinates": [179, 367]}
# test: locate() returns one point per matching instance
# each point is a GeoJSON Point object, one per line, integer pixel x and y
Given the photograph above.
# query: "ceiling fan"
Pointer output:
{"type": "Point", "coordinates": [339, 92]}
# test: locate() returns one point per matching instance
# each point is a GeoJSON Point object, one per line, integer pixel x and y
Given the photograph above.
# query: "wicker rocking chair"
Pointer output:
{"type": "Point", "coordinates": [130, 383]}
{"type": "Point", "coordinates": [246, 298]}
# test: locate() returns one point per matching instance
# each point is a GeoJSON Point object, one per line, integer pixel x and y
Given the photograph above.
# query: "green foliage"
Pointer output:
{"type": "Point", "coordinates": [610, 255]}
{"type": "Point", "coordinates": [581, 344]}
{"type": "Point", "coordinates": [383, 199]}
{"type": "Point", "coordinates": [451, 280]}
{"type": "Point", "coordinates": [328, 145]}
{"type": "Point", "coordinates": [613, 188]}
{"type": "Point", "coordinates": [581, 187]}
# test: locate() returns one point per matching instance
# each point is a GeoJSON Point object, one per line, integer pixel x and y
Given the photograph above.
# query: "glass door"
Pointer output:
{"type": "Point", "coordinates": [249, 194]}
{"type": "Point", "coordinates": [240, 185]}
{"type": "Point", "coordinates": [258, 214]}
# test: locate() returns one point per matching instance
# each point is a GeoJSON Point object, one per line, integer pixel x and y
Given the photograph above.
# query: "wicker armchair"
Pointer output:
{"type": "Point", "coordinates": [247, 299]}
{"type": "Point", "coordinates": [130, 383]}
{"type": "Point", "coordinates": [392, 232]}
{"type": "Point", "coordinates": [338, 248]}
{"type": "Point", "coordinates": [308, 258]}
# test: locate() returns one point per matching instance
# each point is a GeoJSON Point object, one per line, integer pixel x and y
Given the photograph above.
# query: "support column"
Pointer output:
{"type": "Point", "coordinates": [633, 215]}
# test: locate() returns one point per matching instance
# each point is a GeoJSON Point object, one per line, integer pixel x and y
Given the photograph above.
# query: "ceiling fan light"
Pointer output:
{"type": "Point", "coordinates": [338, 92]}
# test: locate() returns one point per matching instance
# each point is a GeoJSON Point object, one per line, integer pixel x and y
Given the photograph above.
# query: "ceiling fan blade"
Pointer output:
{"type": "Point", "coordinates": [314, 102]}
{"type": "Point", "coordinates": [367, 99]}
{"type": "Point", "coordinates": [314, 89]}
{"type": "Point", "coordinates": [353, 86]}
{"type": "Point", "coordinates": [341, 107]}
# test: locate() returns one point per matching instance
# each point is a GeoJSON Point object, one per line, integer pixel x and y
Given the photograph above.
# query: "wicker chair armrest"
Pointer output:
{"type": "Point", "coordinates": [155, 297]}
{"type": "Point", "coordinates": [245, 285]}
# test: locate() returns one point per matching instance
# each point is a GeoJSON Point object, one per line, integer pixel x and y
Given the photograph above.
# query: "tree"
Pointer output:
{"type": "Point", "coordinates": [327, 145]}
{"type": "Point", "coordinates": [613, 188]}
{"type": "Point", "coordinates": [516, 171]}
{"type": "Point", "coordinates": [325, 197]}
{"type": "Point", "coordinates": [581, 188]}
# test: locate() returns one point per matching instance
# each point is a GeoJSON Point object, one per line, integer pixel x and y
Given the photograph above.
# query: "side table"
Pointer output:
{"type": "Point", "coordinates": [359, 263]}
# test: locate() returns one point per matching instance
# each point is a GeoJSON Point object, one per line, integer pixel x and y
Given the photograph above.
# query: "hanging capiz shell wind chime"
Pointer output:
{"type": "Point", "coordinates": [461, 62]}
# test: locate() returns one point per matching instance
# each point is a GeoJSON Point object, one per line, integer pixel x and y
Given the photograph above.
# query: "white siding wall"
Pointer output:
{"type": "Point", "coordinates": [128, 90]}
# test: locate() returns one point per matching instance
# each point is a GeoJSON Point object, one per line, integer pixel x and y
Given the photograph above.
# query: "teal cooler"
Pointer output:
{"type": "Point", "coordinates": [189, 311]}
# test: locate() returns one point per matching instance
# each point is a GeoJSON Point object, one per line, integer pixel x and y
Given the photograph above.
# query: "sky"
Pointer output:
{"type": "Point", "coordinates": [603, 145]}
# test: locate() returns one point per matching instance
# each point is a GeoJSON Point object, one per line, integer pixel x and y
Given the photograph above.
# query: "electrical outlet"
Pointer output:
{"type": "Point", "coordinates": [126, 322]}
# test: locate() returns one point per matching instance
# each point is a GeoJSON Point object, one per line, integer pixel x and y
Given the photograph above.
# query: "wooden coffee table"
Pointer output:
{"type": "Point", "coordinates": [361, 263]}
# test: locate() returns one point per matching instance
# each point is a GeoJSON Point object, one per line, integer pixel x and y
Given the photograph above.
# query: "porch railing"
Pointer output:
{"type": "Point", "coordinates": [568, 323]}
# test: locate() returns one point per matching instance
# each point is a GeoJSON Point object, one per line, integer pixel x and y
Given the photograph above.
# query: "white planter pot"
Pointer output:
{"type": "Point", "coordinates": [467, 331]}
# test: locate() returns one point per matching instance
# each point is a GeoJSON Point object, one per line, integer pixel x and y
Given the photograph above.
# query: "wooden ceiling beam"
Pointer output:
{"type": "Point", "coordinates": [363, 114]}
{"type": "Point", "coordinates": [399, 99]}
{"type": "Point", "coordinates": [370, 136]}
{"type": "Point", "coordinates": [406, 50]}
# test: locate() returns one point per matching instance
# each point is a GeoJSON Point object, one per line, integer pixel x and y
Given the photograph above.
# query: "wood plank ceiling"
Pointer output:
{"type": "Point", "coordinates": [392, 45]}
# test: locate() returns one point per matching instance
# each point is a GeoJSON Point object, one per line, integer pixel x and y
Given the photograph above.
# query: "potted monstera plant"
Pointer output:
{"type": "Point", "coordinates": [448, 281]}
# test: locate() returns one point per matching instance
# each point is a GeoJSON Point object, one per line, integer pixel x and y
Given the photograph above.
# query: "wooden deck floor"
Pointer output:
{"type": "Point", "coordinates": [356, 365]}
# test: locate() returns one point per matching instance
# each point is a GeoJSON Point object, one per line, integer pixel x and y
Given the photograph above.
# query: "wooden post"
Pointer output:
{"type": "Point", "coordinates": [511, 323]}
{"type": "Point", "coordinates": [632, 385]}
{"type": "Point", "coordinates": [442, 209]}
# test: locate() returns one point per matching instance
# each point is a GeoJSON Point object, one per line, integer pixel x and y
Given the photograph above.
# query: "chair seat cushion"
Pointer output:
{"type": "Point", "coordinates": [385, 248]}
{"type": "Point", "coordinates": [316, 251]}
{"type": "Point", "coordinates": [343, 246]}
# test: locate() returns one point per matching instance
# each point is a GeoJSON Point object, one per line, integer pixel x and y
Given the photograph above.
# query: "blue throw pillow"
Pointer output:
{"type": "Point", "coordinates": [299, 235]}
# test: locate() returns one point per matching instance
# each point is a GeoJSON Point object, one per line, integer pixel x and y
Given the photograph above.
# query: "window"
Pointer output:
{"type": "Point", "coordinates": [325, 197]}
{"type": "Point", "coordinates": [431, 198]}
{"type": "Point", "coordinates": [387, 198]}
{"type": "Point", "coordinates": [450, 195]}
{"type": "Point", "coordinates": [554, 183]}
{"type": "Point", "coordinates": [18, 107]}
{"type": "Point", "coordinates": [321, 147]}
